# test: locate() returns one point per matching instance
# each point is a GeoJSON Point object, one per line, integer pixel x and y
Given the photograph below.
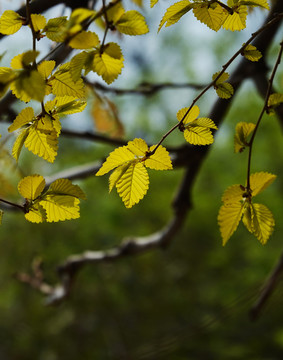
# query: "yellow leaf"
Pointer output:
{"type": "Point", "coordinates": [233, 195]}
{"type": "Point", "coordinates": [84, 40]}
{"type": "Point", "coordinates": [223, 89]}
{"type": "Point", "coordinates": [10, 22]}
{"type": "Point", "coordinates": [63, 84]}
{"type": "Point", "coordinates": [36, 214]}
{"type": "Point", "coordinates": [25, 116]}
{"type": "Point", "coordinates": [42, 143]}
{"type": "Point", "coordinates": [260, 181]}
{"type": "Point", "coordinates": [38, 22]}
{"type": "Point", "coordinates": [212, 16]}
{"type": "Point", "coordinates": [29, 85]}
{"type": "Point", "coordinates": [56, 30]}
{"type": "Point", "coordinates": [175, 12]}
{"type": "Point", "coordinates": [109, 64]}
{"type": "Point", "coordinates": [60, 207]}
{"type": "Point", "coordinates": [274, 100]}
{"type": "Point", "coordinates": [228, 219]}
{"type": "Point", "coordinates": [65, 105]}
{"type": "Point", "coordinates": [18, 144]}
{"type": "Point", "coordinates": [133, 184]}
{"type": "Point", "coordinates": [30, 187]}
{"type": "Point", "coordinates": [192, 115]}
{"type": "Point", "coordinates": [259, 220]}
{"type": "Point", "coordinates": [138, 147]}
{"type": "Point", "coordinates": [251, 53]}
{"type": "Point", "coordinates": [23, 60]}
{"type": "Point", "coordinates": [204, 122]}
{"type": "Point", "coordinates": [45, 68]}
{"type": "Point", "coordinates": [116, 158]}
{"type": "Point", "coordinates": [7, 75]}
{"type": "Point", "coordinates": [153, 3]}
{"type": "Point", "coordinates": [65, 187]}
{"type": "Point", "coordinates": [237, 21]}
{"type": "Point", "coordinates": [198, 135]}
{"type": "Point", "coordinates": [132, 23]}
{"type": "Point", "coordinates": [243, 130]}
{"type": "Point", "coordinates": [79, 62]}
{"type": "Point", "coordinates": [79, 15]}
{"type": "Point", "coordinates": [160, 160]}
{"type": "Point", "coordinates": [115, 13]}
{"type": "Point", "coordinates": [117, 173]}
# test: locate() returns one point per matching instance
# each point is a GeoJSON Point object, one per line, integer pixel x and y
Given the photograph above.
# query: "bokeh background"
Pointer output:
{"type": "Point", "coordinates": [190, 301]}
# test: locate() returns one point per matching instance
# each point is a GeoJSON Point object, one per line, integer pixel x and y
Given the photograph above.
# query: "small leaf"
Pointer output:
{"type": "Point", "coordinates": [160, 160]}
{"type": "Point", "coordinates": [260, 181]}
{"type": "Point", "coordinates": [63, 84]}
{"type": "Point", "coordinates": [31, 187]}
{"type": "Point", "coordinates": [212, 16]}
{"type": "Point", "coordinates": [65, 187]}
{"type": "Point", "coordinates": [232, 195]}
{"type": "Point", "coordinates": [228, 219]}
{"type": "Point", "coordinates": [223, 89]}
{"type": "Point", "coordinates": [38, 22]}
{"type": "Point", "coordinates": [60, 207]}
{"type": "Point", "coordinates": [198, 135]}
{"type": "Point", "coordinates": [45, 68]}
{"type": "Point", "coordinates": [10, 22]}
{"type": "Point", "coordinates": [251, 53]}
{"type": "Point", "coordinates": [36, 214]}
{"type": "Point", "coordinates": [175, 12]}
{"type": "Point", "coordinates": [18, 144]}
{"type": "Point", "coordinates": [65, 105]}
{"type": "Point", "coordinates": [274, 100]}
{"type": "Point", "coordinates": [191, 116]}
{"type": "Point", "coordinates": [243, 130]}
{"type": "Point", "coordinates": [132, 23]}
{"type": "Point", "coordinates": [237, 21]}
{"type": "Point", "coordinates": [56, 30]}
{"type": "Point", "coordinates": [138, 147]}
{"type": "Point", "coordinates": [133, 184]}
{"type": "Point", "coordinates": [29, 85]}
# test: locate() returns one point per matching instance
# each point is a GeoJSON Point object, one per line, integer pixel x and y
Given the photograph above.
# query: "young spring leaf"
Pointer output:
{"type": "Point", "coordinates": [212, 15]}
{"type": "Point", "coordinates": [10, 22]}
{"type": "Point", "coordinates": [243, 131]}
{"type": "Point", "coordinates": [260, 181]}
{"type": "Point", "coordinates": [175, 12]}
{"type": "Point", "coordinates": [196, 130]}
{"type": "Point", "coordinates": [84, 40]}
{"type": "Point", "coordinates": [251, 53]}
{"type": "Point", "coordinates": [236, 21]}
{"type": "Point", "coordinates": [274, 100]}
{"type": "Point", "coordinates": [31, 187]}
{"type": "Point", "coordinates": [132, 23]}
{"type": "Point", "coordinates": [223, 89]}
{"type": "Point", "coordinates": [38, 22]}
{"type": "Point", "coordinates": [62, 83]}
{"type": "Point", "coordinates": [130, 175]}
{"type": "Point", "coordinates": [24, 117]}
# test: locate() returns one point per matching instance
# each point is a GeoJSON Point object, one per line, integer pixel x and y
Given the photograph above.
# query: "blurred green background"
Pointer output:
{"type": "Point", "coordinates": [190, 301]}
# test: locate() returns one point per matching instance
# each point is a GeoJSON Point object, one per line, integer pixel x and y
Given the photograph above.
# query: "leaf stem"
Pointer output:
{"type": "Point", "coordinates": [264, 108]}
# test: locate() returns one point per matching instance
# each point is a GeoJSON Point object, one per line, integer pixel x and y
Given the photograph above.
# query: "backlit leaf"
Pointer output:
{"type": "Point", "coordinates": [260, 181]}
{"type": "Point", "coordinates": [38, 22]}
{"type": "Point", "coordinates": [133, 184]}
{"type": "Point", "coordinates": [55, 29]}
{"type": "Point", "coordinates": [175, 12]}
{"type": "Point", "coordinates": [192, 115]}
{"type": "Point", "coordinates": [45, 68]}
{"type": "Point", "coordinates": [36, 214]}
{"type": "Point", "coordinates": [109, 64]}
{"type": "Point", "coordinates": [29, 85]}
{"type": "Point", "coordinates": [251, 53]}
{"type": "Point", "coordinates": [84, 40]}
{"type": "Point", "coordinates": [60, 208]}
{"type": "Point", "coordinates": [138, 147]}
{"type": "Point", "coordinates": [30, 187]}
{"type": "Point", "coordinates": [232, 195]}
{"type": "Point", "coordinates": [198, 135]}
{"type": "Point", "coordinates": [237, 21]}
{"type": "Point", "coordinates": [229, 217]}
{"type": "Point", "coordinates": [65, 187]}
{"type": "Point", "coordinates": [132, 23]}
{"type": "Point", "coordinates": [65, 105]}
{"type": "Point", "coordinates": [10, 22]}
{"type": "Point", "coordinates": [274, 100]}
{"type": "Point", "coordinates": [18, 144]}
{"type": "Point", "coordinates": [116, 158]}
{"type": "Point", "coordinates": [243, 130]}
{"type": "Point", "coordinates": [213, 17]}
{"type": "Point", "coordinates": [63, 84]}
{"type": "Point", "coordinates": [25, 116]}
{"type": "Point", "coordinates": [160, 160]}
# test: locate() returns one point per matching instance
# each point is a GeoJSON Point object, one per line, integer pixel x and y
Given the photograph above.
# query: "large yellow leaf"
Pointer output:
{"type": "Point", "coordinates": [36, 214]}
{"type": "Point", "coordinates": [63, 84]}
{"type": "Point", "coordinates": [133, 184]}
{"type": "Point", "coordinates": [65, 187]}
{"type": "Point", "coordinates": [229, 217]}
{"type": "Point", "coordinates": [25, 116]}
{"type": "Point", "coordinates": [160, 160]}
{"type": "Point", "coordinates": [109, 64]}
{"type": "Point", "coordinates": [237, 21]}
{"type": "Point", "coordinates": [243, 130]}
{"type": "Point", "coordinates": [42, 143]}
{"type": "Point", "coordinates": [30, 187]}
{"type": "Point", "coordinates": [260, 181]}
{"type": "Point", "coordinates": [175, 12]}
{"type": "Point", "coordinates": [10, 22]}
{"type": "Point", "coordinates": [84, 40]}
{"type": "Point", "coordinates": [60, 207]}
{"type": "Point", "coordinates": [116, 158]}
{"type": "Point", "coordinates": [212, 16]}
{"type": "Point", "coordinates": [132, 23]}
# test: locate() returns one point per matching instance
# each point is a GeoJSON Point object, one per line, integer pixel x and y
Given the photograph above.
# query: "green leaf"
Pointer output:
{"type": "Point", "coordinates": [56, 30]}
{"type": "Point", "coordinates": [36, 214]}
{"type": "Point", "coordinates": [223, 89]}
{"type": "Point", "coordinates": [29, 85]}
{"type": "Point", "coordinates": [38, 22]}
{"type": "Point", "coordinates": [65, 105]}
{"type": "Point", "coordinates": [175, 12]}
